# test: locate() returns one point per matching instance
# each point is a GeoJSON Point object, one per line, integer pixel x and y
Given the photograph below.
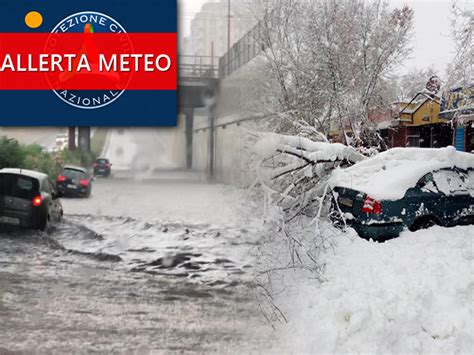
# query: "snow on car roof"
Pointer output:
{"type": "Point", "coordinates": [388, 175]}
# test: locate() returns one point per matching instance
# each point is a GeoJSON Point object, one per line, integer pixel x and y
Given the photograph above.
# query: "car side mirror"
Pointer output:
{"type": "Point", "coordinates": [54, 195]}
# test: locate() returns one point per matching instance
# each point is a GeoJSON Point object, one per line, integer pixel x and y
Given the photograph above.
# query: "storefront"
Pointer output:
{"type": "Point", "coordinates": [458, 106]}
{"type": "Point", "coordinates": [436, 135]}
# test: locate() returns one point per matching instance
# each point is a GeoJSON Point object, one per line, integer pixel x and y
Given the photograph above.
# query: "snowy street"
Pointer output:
{"type": "Point", "coordinates": [144, 264]}
{"type": "Point", "coordinates": [411, 295]}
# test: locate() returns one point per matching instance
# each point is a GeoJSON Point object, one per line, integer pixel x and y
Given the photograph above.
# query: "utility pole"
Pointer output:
{"type": "Point", "coordinates": [228, 25]}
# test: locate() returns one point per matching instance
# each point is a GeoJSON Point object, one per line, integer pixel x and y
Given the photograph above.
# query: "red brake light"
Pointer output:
{"type": "Point", "coordinates": [37, 201]}
{"type": "Point", "coordinates": [84, 182]}
{"type": "Point", "coordinates": [371, 206]}
{"type": "Point", "coordinates": [61, 178]}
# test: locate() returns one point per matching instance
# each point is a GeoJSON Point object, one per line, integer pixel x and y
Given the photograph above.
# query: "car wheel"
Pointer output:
{"type": "Point", "coordinates": [45, 225]}
{"type": "Point", "coordinates": [423, 223]}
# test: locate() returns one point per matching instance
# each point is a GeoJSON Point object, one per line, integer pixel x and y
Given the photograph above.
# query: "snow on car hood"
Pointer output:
{"type": "Point", "coordinates": [390, 174]}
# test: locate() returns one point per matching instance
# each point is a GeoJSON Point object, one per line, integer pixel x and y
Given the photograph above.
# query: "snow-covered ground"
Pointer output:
{"type": "Point", "coordinates": [411, 295]}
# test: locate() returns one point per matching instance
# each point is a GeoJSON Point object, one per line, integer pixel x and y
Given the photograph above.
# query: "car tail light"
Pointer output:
{"type": "Point", "coordinates": [37, 201]}
{"type": "Point", "coordinates": [61, 178]}
{"type": "Point", "coordinates": [371, 206]}
{"type": "Point", "coordinates": [96, 165]}
{"type": "Point", "coordinates": [84, 182]}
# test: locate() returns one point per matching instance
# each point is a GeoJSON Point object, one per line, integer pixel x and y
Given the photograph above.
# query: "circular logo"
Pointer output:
{"type": "Point", "coordinates": [88, 22]}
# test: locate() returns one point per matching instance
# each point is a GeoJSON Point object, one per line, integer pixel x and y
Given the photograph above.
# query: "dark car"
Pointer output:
{"type": "Point", "coordinates": [28, 199]}
{"type": "Point", "coordinates": [74, 181]}
{"type": "Point", "coordinates": [102, 167]}
{"type": "Point", "coordinates": [443, 197]}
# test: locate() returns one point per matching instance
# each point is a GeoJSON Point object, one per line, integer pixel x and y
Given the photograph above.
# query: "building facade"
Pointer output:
{"type": "Point", "coordinates": [418, 124]}
{"type": "Point", "coordinates": [209, 30]}
{"type": "Point", "coordinates": [458, 106]}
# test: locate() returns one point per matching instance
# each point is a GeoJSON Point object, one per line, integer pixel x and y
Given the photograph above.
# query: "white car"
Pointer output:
{"type": "Point", "coordinates": [61, 138]}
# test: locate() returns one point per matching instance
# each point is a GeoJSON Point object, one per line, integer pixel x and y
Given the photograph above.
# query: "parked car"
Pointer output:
{"type": "Point", "coordinates": [102, 167]}
{"type": "Point", "coordinates": [74, 181]}
{"type": "Point", "coordinates": [61, 139]}
{"type": "Point", "coordinates": [406, 189]}
{"type": "Point", "coordinates": [28, 199]}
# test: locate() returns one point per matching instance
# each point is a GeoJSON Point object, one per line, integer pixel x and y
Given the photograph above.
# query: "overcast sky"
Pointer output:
{"type": "Point", "coordinates": [431, 43]}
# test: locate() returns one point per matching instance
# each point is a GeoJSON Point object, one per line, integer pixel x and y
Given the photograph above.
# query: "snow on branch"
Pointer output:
{"type": "Point", "coordinates": [295, 171]}
{"type": "Point", "coordinates": [306, 149]}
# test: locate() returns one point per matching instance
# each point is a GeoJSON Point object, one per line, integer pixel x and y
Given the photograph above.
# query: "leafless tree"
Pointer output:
{"type": "Point", "coordinates": [461, 70]}
{"type": "Point", "coordinates": [325, 62]}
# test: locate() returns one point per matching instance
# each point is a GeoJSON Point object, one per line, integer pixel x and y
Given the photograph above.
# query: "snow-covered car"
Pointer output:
{"type": "Point", "coordinates": [405, 188]}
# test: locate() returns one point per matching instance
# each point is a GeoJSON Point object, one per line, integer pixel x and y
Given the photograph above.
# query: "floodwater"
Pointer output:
{"type": "Point", "coordinates": [107, 282]}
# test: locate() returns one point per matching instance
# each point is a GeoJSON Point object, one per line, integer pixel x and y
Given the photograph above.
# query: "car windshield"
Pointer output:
{"type": "Point", "coordinates": [74, 174]}
{"type": "Point", "coordinates": [102, 161]}
{"type": "Point", "coordinates": [450, 181]}
{"type": "Point", "coordinates": [18, 186]}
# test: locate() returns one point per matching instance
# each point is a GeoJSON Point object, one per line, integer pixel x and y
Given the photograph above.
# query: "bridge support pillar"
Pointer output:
{"type": "Point", "coordinates": [85, 139]}
{"type": "Point", "coordinates": [212, 144]}
{"type": "Point", "coordinates": [189, 124]}
{"type": "Point", "coordinates": [71, 133]}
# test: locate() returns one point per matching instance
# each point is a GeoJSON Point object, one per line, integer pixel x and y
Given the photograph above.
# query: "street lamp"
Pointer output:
{"type": "Point", "coordinates": [228, 25]}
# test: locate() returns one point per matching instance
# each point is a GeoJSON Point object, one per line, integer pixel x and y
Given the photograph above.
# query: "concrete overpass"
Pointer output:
{"type": "Point", "coordinates": [213, 83]}
{"type": "Point", "coordinates": [198, 87]}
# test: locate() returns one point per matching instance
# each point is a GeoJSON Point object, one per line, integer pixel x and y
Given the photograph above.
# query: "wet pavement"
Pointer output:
{"type": "Point", "coordinates": [109, 281]}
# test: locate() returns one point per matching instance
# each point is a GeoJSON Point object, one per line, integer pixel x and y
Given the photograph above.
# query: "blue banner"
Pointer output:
{"type": "Point", "coordinates": [148, 102]}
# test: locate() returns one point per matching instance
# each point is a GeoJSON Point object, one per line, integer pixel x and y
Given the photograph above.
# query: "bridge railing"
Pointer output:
{"type": "Point", "coordinates": [194, 67]}
{"type": "Point", "coordinates": [249, 46]}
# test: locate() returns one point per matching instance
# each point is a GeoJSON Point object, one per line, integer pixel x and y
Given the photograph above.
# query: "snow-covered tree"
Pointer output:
{"type": "Point", "coordinates": [324, 62]}
{"type": "Point", "coordinates": [461, 70]}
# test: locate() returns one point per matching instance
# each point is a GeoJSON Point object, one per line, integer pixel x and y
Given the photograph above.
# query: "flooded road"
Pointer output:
{"type": "Point", "coordinates": [147, 274]}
